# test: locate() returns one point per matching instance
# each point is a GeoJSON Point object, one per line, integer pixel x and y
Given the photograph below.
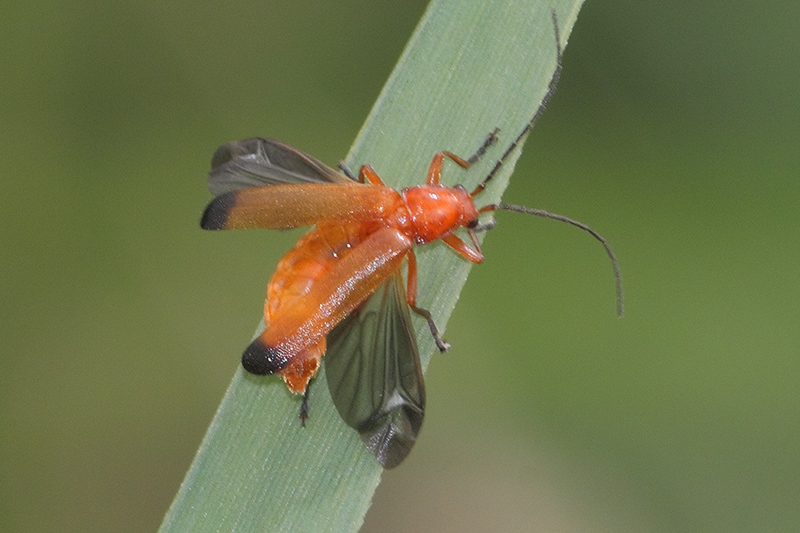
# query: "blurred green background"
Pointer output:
{"type": "Point", "coordinates": [674, 133]}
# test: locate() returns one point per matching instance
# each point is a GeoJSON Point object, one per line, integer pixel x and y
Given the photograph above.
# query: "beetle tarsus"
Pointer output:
{"type": "Point", "coordinates": [441, 343]}
{"type": "Point", "coordinates": [304, 406]}
{"type": "Point", "coordinates": [437, 338]}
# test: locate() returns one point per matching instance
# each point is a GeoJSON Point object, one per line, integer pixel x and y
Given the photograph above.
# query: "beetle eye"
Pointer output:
{"type": "Point", "coordinates": [460, 187]}
{"type": "Point", "coordinates": [472, 224]}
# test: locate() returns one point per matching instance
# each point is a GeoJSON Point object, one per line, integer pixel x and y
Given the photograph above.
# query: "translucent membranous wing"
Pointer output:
{"type": "Point", "coordinates": [257, 162]}
{"type": "Point", "coordinates": [374, 374]}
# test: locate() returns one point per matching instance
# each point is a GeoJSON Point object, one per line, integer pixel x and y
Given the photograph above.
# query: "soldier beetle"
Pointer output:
{"type": "Point", "coordinates": [340, 289]}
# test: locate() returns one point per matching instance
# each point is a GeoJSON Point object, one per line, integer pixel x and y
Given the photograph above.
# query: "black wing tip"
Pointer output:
{"type": "Point", "coordinates": [388, 449]}
{"type": "Point", "coordinates": [216, 215]}
{"type": "Point", "coordinates": [263, 360]}
{"type": "Point", "coordinates": [393, 458]}
{"type": "Point", "coordinates": [391, 436]}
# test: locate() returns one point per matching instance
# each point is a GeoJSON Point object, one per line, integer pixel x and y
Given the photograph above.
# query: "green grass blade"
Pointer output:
{"type": "Point", "coordinates": [469, 67]}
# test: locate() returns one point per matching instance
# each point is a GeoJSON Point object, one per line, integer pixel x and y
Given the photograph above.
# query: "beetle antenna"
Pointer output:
{"type": "Point", "coordinates": [551, 89]}
{"type": "Point", "coordinates": [581, 225]}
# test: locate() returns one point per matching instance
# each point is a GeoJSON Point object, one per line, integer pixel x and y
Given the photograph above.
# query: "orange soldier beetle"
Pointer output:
{"type": "Point", "coordinates": [340, 288]}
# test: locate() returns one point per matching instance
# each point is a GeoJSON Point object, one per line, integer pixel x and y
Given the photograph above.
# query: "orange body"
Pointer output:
{"type": "Point", "coordinates": [363, 232]}
{"type": "Point", "coordinates": [337, 265]}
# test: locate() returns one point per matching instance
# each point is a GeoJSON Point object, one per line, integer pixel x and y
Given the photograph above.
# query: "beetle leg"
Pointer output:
{"type": "Point", "coordinates": [470, 254]}
{"type": "Point", "coordinates": [368, 174]}
{"type": "Point", "coordinates": [411, 298]}
{"type": "Point", "coordinates": [304, 405]}
{"type": "Point", "coordinates": [435, 170]}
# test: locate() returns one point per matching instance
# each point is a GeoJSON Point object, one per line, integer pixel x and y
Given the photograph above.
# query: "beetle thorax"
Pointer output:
{"type": "Point", "coordinates": [437, 210]}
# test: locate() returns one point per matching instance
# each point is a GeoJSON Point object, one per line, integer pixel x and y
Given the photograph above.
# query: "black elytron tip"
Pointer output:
{"type": "Point", "coordinates": [217, 212]}
{"type": "Point", "coordinates": [263, 360]}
